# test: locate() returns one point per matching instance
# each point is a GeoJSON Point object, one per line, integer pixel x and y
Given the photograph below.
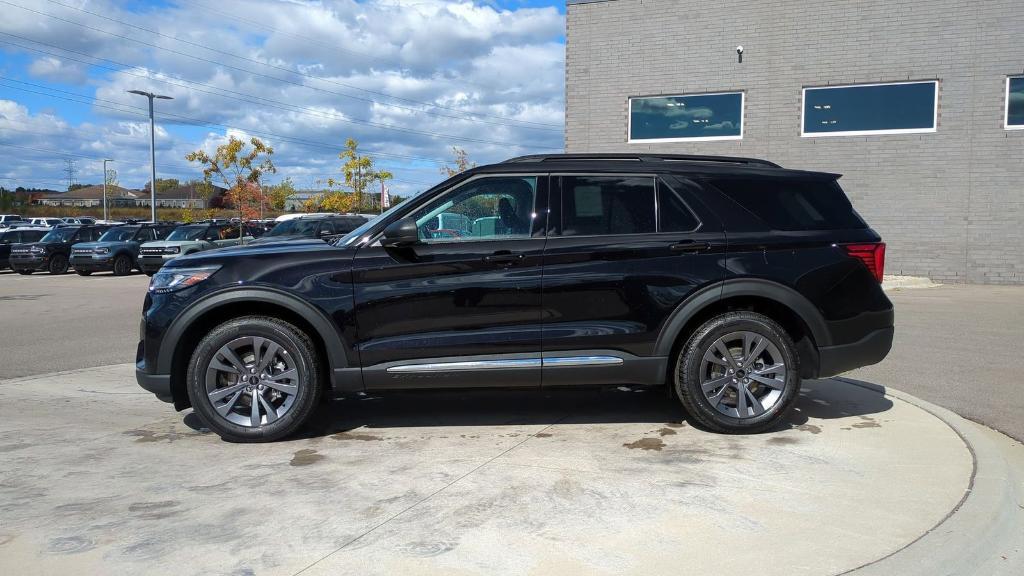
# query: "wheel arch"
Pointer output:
{"type": "Point", "coordinates": [184, 334]}
{"type": "Point", "coordinates": [793, 311]}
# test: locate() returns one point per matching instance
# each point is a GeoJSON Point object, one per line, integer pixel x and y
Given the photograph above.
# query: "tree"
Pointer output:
{"type": "Point", "coordinates": [240, 170]}
{"type": "Point", "coordinates": [278, 195]}
{"type": "Point", "coordinates": [110, 178]}
{"type": "Point", "coordinates": [74, 187]}
{"type": "Point", "coordinates": [359, 173]}
{"type": "Point", "coordinates": [462, 163]}
{"type": "Point", "coordinates": [163, 185]}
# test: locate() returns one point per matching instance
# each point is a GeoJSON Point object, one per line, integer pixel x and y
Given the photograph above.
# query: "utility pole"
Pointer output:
{"type": "Point", "coordinates": [152, 148]}
{"type": "Point", "coordinates": [105, 160]}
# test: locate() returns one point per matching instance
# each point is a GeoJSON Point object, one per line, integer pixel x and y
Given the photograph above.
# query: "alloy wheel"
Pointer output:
{"type": "Point", "coordinates": [252, 381]}
{"type": "Point", "coordinates": [743, 374]}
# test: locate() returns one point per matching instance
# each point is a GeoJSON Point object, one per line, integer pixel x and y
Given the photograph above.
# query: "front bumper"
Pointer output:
{"type": "Point", "coordinates": [29, 262]}
{"type": "Point", "coordinates": [92, 263]}
{"type": "Point", "coordinates": [154, 263]}
{"type": "Point", "coordinates": [158, 384]}
{"type": "Point", "coordinates": [871, 349]}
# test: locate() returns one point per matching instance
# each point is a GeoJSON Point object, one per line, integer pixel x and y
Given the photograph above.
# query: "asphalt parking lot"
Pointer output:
{"type": "Point", "coordinates": [100, 477]}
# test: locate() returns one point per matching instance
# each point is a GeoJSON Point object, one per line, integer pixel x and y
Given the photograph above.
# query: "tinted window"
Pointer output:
{"type": "Point", "coordinates": [187, 233]}
{"type": "Point", "coordinates": [228, 232]}
{"type": "Point", "coordinates": [908, 107]}
{"type": "Point", "coordinates": [62, 234]}
{"type": "Point", "coordinates": [118, 234]}
{"type": "Point", "coordinates": [487, 208]}
{"type": "Point", "coordinates": [145, 235]}
{"type": "Point", "coordinates": [673, 213]}
{"type": "Point", "coordinates": [326, 227]}
{"type": "Point", "coordinates": [31, 235]}
{"type": "Point", "coordinates": [1015, 102]}
{"type": "Point", "coordinates": [607, 205]}
{"type": "Point", "coordinates": [686, 117]}
{"type": "Point", "coordinates": [346, 225]}
{"type": "Point", "coordinates": [10, 237]}
{"type": "Point", "coordinates": [788, 204]}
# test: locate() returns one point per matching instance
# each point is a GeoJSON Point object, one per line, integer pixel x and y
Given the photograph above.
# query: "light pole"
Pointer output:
{"type": "Point", "coordinates": [152, 149]}
{"type": "Point", "coordinates": [105, 160]}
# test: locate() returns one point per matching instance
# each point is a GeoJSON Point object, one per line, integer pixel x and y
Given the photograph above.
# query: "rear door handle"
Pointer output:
{"type": "Point", "coordinates": [503, 258]}
{"type": "Point", "coordinates": [689, 246]}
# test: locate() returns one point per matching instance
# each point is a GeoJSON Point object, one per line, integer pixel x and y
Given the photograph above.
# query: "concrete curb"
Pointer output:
{"type": "Point", "coordinates": [984, 534]}
{"type": "Point", "coordinates": [907, 282]}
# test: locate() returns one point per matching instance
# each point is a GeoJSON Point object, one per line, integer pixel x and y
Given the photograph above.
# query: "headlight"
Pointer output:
{"type": "Point", "coordinates": [102, 251]}
{"type": "Point", "coordinates": [172, 279]}
{"type": "Point", "coordinates": [172, 250]}
{"type": "Point", "coordinates": [37, 249]}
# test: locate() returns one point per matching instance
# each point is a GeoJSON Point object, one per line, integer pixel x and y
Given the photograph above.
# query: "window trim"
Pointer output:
{"type": "Point", "coordinates": [657, 221]}
{"type": "Point", "coordinates": [803, 111]}
{"type": "Point", "coordinates": [1006, 105]}
{"type": "Point", "coordinates": [659, 181]}
{"type": "Point", "coordinates": [743, 119]}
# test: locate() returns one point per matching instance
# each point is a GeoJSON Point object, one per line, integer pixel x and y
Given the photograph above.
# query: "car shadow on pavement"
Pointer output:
{"type": "Point", "coordinates": [819, 399]}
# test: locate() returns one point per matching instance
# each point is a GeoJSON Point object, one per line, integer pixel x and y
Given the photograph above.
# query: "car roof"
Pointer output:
{"type": "Point", "coordinates": [644, 162]}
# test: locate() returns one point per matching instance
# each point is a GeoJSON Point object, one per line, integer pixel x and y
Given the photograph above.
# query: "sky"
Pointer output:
{"type": "Point", "coordinates": [407, 80]}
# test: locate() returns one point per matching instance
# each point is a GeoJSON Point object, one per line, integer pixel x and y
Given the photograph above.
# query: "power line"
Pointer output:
{"type": "Point", "coordinates": [273, 103]}
{"type": "Point", "coordinates": [541, 126]}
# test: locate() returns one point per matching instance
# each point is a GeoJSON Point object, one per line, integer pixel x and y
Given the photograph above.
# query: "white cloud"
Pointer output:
{"type": "Point", "coordinates": [493, 76]}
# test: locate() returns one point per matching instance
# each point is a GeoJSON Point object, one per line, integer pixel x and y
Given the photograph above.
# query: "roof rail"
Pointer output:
{"type": "Point", "coordinates": [620, 157]}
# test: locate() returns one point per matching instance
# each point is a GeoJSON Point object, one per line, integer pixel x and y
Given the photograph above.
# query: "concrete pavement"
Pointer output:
{"type": "Point", "coordinates": [99, 477]}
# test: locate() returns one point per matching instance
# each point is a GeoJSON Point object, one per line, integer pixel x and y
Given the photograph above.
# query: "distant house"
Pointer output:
{"type": "Point", "coordinates": [295, 202]}
{"type": "Point", "coordinates": [183, 196]}
{"type": "Point", "coordinates": [90, 197]}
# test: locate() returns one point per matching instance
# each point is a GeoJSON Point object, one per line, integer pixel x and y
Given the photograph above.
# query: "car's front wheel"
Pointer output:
{"type": "Point", "coordinates": [122, 265]}
{"type": "Point", "coordinates": [254, 379]}
{"type": "Point", "coordinates": [58, 264]}
{"type": "Point", "coordinates": [738, 373]}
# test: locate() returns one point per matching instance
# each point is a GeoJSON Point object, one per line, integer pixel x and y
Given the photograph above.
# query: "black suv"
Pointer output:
{"type": "Point", "coordinates": [12, 236]}
{"type": "Point", "coordinates": [326, 228]}
{"type": "Point", "coordinates": [728, 279]}
{"type": "Point", "coordinates": [53, 252]}
{"type": "Point", "coordinates": [117, 250]}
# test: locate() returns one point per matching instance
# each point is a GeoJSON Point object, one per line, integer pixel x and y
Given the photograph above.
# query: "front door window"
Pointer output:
{"type": "Point", "coordinates": [494, 208]}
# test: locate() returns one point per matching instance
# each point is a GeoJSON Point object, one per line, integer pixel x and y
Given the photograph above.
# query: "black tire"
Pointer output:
{"type": "Point", "coordinates": [122, 265]}
{"type": "Point", "coordinates": [690, 362]}
{"type": "Point", "coordinates": [150, 274]}
{"type": "Point", "coordinates": [58, 264]}
{"type": "Point", "coordinates": [293, 342]}
{"type": "Point", "coordinates": [84, 272]}
{"type": "Point", "coordinates": [25, 272]}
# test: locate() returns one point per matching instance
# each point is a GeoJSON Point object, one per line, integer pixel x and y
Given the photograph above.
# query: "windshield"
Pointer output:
{"type": "Point", "coordinates": [187, 233]}
{"type": "Point", "coordinates": [59, 235]}
{"type": "Point", "coordinates": [296, 227]}
{"type": "Point", "coordinates": [119, 234]}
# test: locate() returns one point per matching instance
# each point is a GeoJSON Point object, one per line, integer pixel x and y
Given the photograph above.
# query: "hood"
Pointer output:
{"type": "Point", "coordinates": [91, 245]}
{"type": "Point", "coordinates": [249, 250]}
{"type": "Point", "coordinates": [164, 243]}
{"type": "Point", "coordinates": [281, 238]}
{"type": "Point", "coordinates": [28, 247]}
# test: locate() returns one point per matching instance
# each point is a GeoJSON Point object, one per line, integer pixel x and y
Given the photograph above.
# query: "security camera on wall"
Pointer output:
{"type": "Point", "coordinates": [739, 53]}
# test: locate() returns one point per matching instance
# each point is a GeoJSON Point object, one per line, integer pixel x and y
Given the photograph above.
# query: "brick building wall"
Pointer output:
{"type": "Point", "coordinates": [950, 204]}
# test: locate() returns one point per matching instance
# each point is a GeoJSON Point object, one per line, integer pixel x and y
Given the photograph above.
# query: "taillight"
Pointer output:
{"type": "Point", "coordinates": [872, 255]}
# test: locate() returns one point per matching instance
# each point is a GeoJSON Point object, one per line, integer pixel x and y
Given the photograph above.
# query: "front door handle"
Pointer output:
{"type": "Point", "coordinates": [689, 246]}
{"type": "Point", "coordinates": [503, 257]}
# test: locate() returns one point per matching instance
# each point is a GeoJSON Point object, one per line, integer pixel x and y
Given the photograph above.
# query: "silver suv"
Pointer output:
{"type": "Point", "coordinates": [189, 239]}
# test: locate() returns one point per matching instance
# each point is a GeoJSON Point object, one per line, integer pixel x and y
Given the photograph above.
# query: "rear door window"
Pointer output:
{"type": "Point", "coordinates": [605, 205]}
{"type": "Point", "coordinates": [792, 203]}
{"type": "Point", "coordinates": [145, 235]}
{"type": "Point", "coordinates": [673, 213]}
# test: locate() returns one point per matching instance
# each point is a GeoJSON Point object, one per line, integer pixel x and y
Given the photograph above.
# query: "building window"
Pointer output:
{"type": "Point", "coordinates": [895, 108]}
{"type": "Point", "coordinates": [682, 118]}
{"type": "Point", "coordinates": [1015, 103]}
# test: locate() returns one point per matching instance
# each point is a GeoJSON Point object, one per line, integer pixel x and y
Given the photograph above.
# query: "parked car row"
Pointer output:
{"type": "Point", "coordinates": [147, 246]}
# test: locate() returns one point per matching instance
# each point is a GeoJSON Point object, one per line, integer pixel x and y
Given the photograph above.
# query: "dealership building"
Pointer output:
{"type": "Point", "coordinates": [919, 104]}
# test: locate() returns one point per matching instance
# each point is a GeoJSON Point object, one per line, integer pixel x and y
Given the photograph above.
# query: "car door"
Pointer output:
{"type": "Point", "coordinates": [623, 251]}
{"type": "Point", "coordinates": [457, 309]}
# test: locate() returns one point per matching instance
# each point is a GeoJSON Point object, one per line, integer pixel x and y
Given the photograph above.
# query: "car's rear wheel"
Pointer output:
{"type": "Point", "coordinates": [25, 272]}
{"type": "Point", "coordinates": [738, 373]}
{"type": "Point", "coordinates": [84, 272]}
{"type": "Point", "coordinates": [58, 264]}
{"type": "Point", "coordinates": [122, 265]}
{"type": "Point", "coordinates": [254, 379]}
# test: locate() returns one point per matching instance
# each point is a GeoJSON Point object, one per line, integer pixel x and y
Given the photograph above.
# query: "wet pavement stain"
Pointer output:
{"type": "Point", "coordinates": [783, 440]}
{"type": "Point", "coordinates": [145, 436]}
{"type": "Point", "coordinates": [867, 422]}
{"type": "Point", "coordinates": [667, 432]}
{"type": "Point", "coordinates": [542, 435]}
{"type": "Point", "coordinates": [351, 436]}
{"type": "Point", "coordinates": [305, 457]}
{"type": "Point", "coordinates": [809, 428]}
{"type": "Point", "coordinates": [154, 510]}
{"type": "Point", "coordinates": [5, 538]}
{"type": "Point", "coordinates": [655, 444]}
{"type": "Point", "coordinates": [69, 545]}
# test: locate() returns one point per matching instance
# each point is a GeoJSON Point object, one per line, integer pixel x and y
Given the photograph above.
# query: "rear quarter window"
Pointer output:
{"type": "Point", "coordinates": [793, 204]}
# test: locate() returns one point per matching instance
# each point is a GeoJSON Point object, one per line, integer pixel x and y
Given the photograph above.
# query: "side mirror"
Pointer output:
{"type": "Point", "coordinates": [401, 233]}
